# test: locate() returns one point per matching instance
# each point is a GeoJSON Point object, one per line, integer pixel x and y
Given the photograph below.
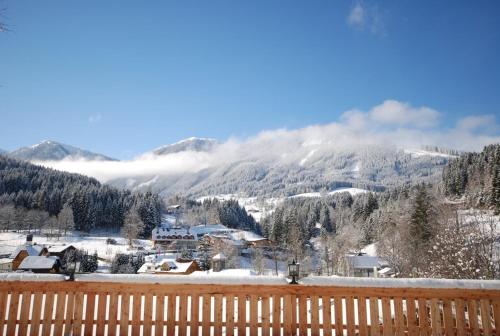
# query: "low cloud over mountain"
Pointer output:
{"type": "Point", "coordinates": [346, 150]}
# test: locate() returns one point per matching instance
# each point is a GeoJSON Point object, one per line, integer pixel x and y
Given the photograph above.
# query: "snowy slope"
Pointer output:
{"type": "Point", "coordinates": [352, 191]}
{"type": "Point", "coordinates": [190, 144]}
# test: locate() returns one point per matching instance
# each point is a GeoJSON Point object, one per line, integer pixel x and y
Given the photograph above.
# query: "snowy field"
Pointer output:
{"type": "Point", "coordinates": [91, 243]}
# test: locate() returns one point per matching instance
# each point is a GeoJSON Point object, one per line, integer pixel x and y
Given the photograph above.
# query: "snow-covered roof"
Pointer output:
{"type": "Point", "coordinates": [246, 235]}
{"type": "Point", "coordinates": [219, 256]}
{"type": "Point", "coordinates": [33, 250]}
{"type": "Point", "coordinates": [209, 229]}
{"type": "Point", "coordinates": [37, 262]}
{"type": "Point", "coordinates": [59, 248]}
{"type": "Point", "coordinates": [5, 260]}
{"type": "Point", "coordinates": [364, 261]}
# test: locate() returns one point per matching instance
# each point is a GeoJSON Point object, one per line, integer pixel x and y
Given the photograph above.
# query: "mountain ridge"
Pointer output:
{"type": "Point", "coordinates": [49, 150]}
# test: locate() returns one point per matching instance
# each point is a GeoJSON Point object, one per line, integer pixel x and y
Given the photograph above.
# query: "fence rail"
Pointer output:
{"type": "Point", "coordinates": [108, 308]}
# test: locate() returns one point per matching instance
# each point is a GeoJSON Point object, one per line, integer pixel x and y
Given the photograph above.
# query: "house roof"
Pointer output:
{"type": "Point", "coordinates": [33, 250]}
{"type": "Point", "coordinates": [59, 248]}
{"type": "Point", "coordinates": [219, 256]}
{"type": "Point", "coordinates": [6, 260]}
{"type": "Point", "coordinates": [364, 261]}
{"type": "Point", "coordinates": [38, 262]}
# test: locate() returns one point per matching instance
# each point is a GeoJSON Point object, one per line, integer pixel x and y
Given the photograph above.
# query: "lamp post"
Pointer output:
{"type": "Point", "coordinates": [72, 268]}
{"type": "Point", "coordinates": [293, 271]}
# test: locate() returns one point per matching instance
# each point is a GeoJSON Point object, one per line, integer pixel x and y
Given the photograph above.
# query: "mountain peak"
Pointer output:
{"type": "Point", "coordinates": [192, 144]}
{"type": "Point", "coordinates": [50, 150]}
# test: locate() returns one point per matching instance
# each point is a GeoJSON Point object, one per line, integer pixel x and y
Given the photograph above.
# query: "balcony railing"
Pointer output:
{"type": "Point", "coordinates": [136, 305]}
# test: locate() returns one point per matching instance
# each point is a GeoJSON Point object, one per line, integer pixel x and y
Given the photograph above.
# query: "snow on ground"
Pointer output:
{"type": "Point", "coordinates": [307, 157]}
{"type": "Point", "coordinates": [255, 207]}
{"type": "Point", "coordinates": [486, 219]}
{"type": "Point", "coordinates": [90, 243]}
{"type": "Point", "coordinates": [352, 191]}
{"type": "Point", "coordinates": [421, 152]}
{"type": "Point", "coordinates": [147, 184]}
{"type": "Point", "coordinates": [370, 250]}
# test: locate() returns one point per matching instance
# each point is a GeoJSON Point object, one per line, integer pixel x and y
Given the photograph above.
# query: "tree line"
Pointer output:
{"type": "Point", "coordinates": [30, 189]}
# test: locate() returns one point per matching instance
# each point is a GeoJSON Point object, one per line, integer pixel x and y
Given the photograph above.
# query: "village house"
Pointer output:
{"type": "Point", "coordinates": [61, 251]}
{"type": "Point", "coordinates": [361, 265]}
{"type": "Point", "coordinates": [169, 266]}
{"type": "Point", "coordinates": [29, 249]}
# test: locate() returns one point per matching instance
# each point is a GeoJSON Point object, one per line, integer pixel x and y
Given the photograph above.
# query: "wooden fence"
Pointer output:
{"type": "Point", "coordinates": [110, 308]}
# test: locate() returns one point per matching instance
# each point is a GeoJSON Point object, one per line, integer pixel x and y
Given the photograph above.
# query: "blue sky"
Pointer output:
{"type": "Point", "coordinates": [122, 77]}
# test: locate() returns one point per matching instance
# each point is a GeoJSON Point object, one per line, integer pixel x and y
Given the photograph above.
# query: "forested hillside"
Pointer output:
{"type": "Point", "coordinates": [211, 211]}
{"type": "Point", "coordinates": [476, 176]}
{"type": "Point", "coordinates": [416, 228]}
{"type": "Point", "coordinates": [93, 205]}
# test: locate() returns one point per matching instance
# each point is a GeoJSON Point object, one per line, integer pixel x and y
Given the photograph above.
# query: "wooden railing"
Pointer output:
{"type": "Point", "coordinates": [111, 308]}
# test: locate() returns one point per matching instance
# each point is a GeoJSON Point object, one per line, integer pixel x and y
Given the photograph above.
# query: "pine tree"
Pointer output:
{"type": "Point", "coordinates": [420, 221]}
{"type": "Point", "coordinates": [325, 220]}
{"type": "Point", "coordinates": [204, 250]}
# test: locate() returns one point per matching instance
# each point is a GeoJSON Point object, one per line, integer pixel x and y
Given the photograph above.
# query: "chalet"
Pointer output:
{"type": "Point", "coordinates": [218, 262]}
{"type": "Point", "coordinates": [29, 249]}
{"type": "Point", "coordinates": [40, 264]}
{"type": "Point", "coordinates": [361, 265]}
{"type": "Point", "coordinates": [174, 209]}
{"type": "Point", "coordinates": [174, 238]}
{"type": "Point", "coordinates": [169, 266]}
{"type": "Point", "coordinates": [61, 250]}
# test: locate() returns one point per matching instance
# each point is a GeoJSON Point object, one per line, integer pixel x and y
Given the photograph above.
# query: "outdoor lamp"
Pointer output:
{"type": "Point", "coordinates": [293, 271]}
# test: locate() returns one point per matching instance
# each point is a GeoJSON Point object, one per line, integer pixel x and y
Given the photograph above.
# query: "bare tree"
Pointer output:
{"type": "Point", "coordinates": [258, 262]}
{"type": "Point", "coordinates": [65, 219]}
{"type": "Point", "coordinates": [7, 214]}
{"type": "Point", "coordinates": [132, 226]}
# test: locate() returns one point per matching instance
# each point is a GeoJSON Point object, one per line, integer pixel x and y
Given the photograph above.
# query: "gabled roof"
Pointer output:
{"type": "Point", "coordinates": [33, 250]}
{"type": "Point", "coordinates": [59, 248]}
{"type": "Point", "coordinates": [36, 262]}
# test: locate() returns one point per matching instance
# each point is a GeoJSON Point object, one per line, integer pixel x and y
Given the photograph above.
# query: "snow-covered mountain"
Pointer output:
{"type": "Point", "coordinates": [272, 170]}
{"type": "Point", "coordinates": [266, 166]}
{"type": "Point", "coordinates": [192, 144]}
{"type": "Point", "coordinates": [54, 151]}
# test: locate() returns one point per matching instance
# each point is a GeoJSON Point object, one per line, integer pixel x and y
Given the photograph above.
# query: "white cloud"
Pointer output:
{"type": "Point", "coordinates": [392, 124]}
{"type": "Point", "coordinates": [484, 123]}
{"type": "Point", "coordinates": [393, 112]}
{"type": "Point", "coordinates": [366, 17]}
{"type": "Point", "coordinates": [356, 18]}
{"type": "Point", "coordinates": [95, 118]}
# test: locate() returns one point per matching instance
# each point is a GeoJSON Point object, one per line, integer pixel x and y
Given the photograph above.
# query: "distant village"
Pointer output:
{"type": "Point", "coordinates": [176, 249]}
